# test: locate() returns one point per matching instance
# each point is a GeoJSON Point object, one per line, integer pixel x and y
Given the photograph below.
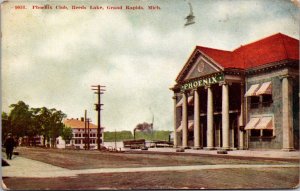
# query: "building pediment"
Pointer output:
{"type": "Point", "coordinates": [198, 65]}
{"type": "Point", "coordinates": [202, 67]}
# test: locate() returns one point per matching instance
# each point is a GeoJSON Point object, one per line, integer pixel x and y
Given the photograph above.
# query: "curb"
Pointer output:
{"type": "Point", "coordinates": [216, 155]}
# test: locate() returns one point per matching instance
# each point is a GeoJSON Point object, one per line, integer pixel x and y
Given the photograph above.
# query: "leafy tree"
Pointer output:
{"type": "Point", "coordinates": [154, 136]}
{"type": "Point", "coordinates": [5, 125]}
{"type": "Point", "coordinates": [120, 136]}
{"type": "Point", "coordinates": [21, 119]}
{"type": "Point", "coordinates": [56, 125]}
{"type": "Point", "coordinates": [67, 133]}
{"type": "Point", "coordinates": [42, 121]}
{"type": "Point", "coordinates": [24, 121]}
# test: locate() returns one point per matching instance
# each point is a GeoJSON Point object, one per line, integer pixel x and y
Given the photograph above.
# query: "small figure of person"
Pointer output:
{"type": "Point", "coordinates": [9, 145]}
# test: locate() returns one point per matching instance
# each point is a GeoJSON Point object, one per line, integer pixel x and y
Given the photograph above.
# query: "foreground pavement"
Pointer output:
{"type": "Point", "coordinates": [23, 167]}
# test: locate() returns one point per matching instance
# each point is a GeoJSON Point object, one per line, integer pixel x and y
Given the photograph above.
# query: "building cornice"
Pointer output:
{"type": "Point", "coordinates": [272, 66]}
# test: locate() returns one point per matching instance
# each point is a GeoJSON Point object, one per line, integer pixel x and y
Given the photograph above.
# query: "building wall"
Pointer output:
{"type": "Point", "coordinates": [77, 141]}
{"type": "Point", "coordinates": [274, 109]}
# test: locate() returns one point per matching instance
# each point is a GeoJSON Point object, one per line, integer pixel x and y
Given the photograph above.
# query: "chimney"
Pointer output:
{"type": "Point", "coordinates": [82, 118]}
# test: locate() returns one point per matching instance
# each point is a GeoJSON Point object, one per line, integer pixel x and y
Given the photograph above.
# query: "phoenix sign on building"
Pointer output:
{"type": "Point", "coordinates": [241, 99]}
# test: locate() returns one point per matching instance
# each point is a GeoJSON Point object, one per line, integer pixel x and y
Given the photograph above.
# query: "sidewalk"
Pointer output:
{"type": "Point", "coordinates": [241, 153]}
{"type": "Point", "coordinates": [23, 167]}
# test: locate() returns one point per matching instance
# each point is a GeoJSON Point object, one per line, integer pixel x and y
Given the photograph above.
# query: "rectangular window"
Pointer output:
{"type": "Point", "coordinates": [255, 132]}
{"type": "Point", "coordinates": [254, 102]}
{"type": "Point", "coordinates": [267, 100]}
{"type": "Point", "coordinates": [267, 133]}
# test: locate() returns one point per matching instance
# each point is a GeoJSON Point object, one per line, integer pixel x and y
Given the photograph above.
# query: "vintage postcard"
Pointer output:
{"type": "Point", "coordinates": [150, 94]}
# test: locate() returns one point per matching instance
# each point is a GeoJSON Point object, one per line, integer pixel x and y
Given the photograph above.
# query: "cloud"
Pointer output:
{"type": "Point", "coordinates": [225, 10]}
{"type": "Point", "coordinates": [51, 58]}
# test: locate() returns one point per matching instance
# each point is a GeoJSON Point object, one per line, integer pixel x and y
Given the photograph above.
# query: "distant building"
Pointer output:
{"type": "Point", "coordinates": [241, 99]}
{"type": "Point", "coordinates": [78, 140]}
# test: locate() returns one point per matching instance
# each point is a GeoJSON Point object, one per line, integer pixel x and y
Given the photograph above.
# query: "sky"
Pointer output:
{"type": "Point", "coordinates": [52, 57]}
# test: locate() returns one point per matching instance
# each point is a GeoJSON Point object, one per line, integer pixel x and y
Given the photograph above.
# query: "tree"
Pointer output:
{"type": "Point", "coordinates": [56, 125]}
{"type": "Point", "coordinates": [5, 125]}
{"type": "Point", "coordinates": [67, 134]}
{"type": "Point", "coordinates": [42, 121]}
{"type": "Point", "coordinates": [30, 122]}
{"type": "Point", "coordinates": [21, 119]}
{"type": "Point", "coordinates": [120, 136]}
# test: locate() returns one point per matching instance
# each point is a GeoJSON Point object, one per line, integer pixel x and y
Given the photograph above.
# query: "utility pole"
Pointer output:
{"type": "Point", "coordinates": [99, 90]}
{"type": "Point", "coordinates": [88, 137]}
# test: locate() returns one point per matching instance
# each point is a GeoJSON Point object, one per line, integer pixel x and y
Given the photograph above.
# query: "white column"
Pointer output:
{"type": "Point", "coordinates": [210, 116]}
{"type": "Point", "coordinates": [225, 116]}
{"type": "Point", "coordinates": [196, 119]}
{"type": "Point", "coordinates": [184, 121]}
{"type": "Point", "coordinates": [175, 122]}
{"type": "Point", "coordinates": [241, 119]}
{"type": "Point", "coordinates": [287, 114]}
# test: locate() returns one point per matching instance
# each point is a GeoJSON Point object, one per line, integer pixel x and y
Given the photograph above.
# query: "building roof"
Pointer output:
{"type": "Point", "coordinates": [75, 123]}
{"type": "Point", "coordinates": [274, 48]}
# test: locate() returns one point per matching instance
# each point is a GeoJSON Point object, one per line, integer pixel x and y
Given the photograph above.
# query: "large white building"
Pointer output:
{"type": "Point", "coordinates": [79, 131]}
{"type": "Point", "coordinates": [247, 98]}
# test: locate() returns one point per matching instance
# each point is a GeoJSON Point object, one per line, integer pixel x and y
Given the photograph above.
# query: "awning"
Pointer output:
{"type": "Point", "coordinates": [252, 123]}
{"type": "Point", "coordinates": [266, 88]}
{"type": "Point", "coordinates": [191, 100]}
{"type": "Point", "coordinates": [179, 128]}
{"type": "Point", "coordinates": [265, 123]}
{"type": "Point", "coordinates": [179, 103]}
{"type": "Point", "coordinates": [252, 90]}
{"type": "Point", "coordinates": [191, 125]}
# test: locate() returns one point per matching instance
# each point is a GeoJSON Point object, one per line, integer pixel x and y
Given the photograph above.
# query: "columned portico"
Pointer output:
{"type": "Point", "coordinates": [240, 99]}
{"type": "Point", "coordinates": [225, 116]}
{"type": "Point", "coordinates": [210, 116]}
{"type": "Point", "coordinates": [287, 113]}
{"type": "Point", "coordinates": [184, 121]}
{"type": "Point", "coordinates": [196, 119]}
